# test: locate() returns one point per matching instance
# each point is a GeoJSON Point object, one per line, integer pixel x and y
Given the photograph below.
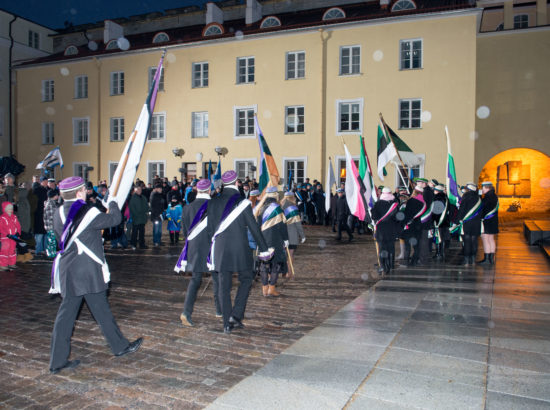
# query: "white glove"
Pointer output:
{"type": "Point", "coordinates": [267, 255]}
{"type": "Point", "coordinates": [303, 239]}
{"type": "Point", "coordinates": [286, 244]}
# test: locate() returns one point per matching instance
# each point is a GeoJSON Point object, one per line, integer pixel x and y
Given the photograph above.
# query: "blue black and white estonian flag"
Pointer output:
{"type": "Point", "coordinates": [52, 160]}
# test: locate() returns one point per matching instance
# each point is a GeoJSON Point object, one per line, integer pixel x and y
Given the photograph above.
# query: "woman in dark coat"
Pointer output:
{"type": "Point", "coordinates": [386, 227]}
{"type": "Point", "coordinates": [414, 208]}
{"type": "Point", "coordinates": [489, 220]}
{"type": "Point", "coordinates": [468, 220]}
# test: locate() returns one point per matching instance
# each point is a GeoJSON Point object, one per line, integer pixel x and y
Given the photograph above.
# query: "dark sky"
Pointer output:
{"type": "Point", "coordinates": [54, 13]}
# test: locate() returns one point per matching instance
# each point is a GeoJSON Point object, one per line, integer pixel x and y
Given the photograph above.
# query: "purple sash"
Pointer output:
{"type": "Point", "coordinates": [226, 211]}
{"type": "Point", "coordinates": [198, 217]}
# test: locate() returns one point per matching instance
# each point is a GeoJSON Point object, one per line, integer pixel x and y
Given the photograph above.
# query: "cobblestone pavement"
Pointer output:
{"type": "Point", "coordinates": [176, 367]}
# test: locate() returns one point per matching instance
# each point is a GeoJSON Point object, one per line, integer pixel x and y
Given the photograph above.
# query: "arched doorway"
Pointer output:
{"type": "Point", "coordinates": [520, 176]}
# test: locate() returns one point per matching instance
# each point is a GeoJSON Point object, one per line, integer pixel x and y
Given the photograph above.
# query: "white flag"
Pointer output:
{"type": "Point", "coordinates": [331, 180]}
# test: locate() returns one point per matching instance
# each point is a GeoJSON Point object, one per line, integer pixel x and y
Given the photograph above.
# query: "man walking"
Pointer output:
{"type": "Point", "coordinates": [342, 214]}
{"type": "Point", "coordinates": [138, 213]}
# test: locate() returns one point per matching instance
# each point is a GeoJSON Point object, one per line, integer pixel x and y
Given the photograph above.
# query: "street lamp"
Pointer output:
{"type": "Point", "coordinates": [178, 152]}
{"type": "Point", "coordinates": [221, 151]}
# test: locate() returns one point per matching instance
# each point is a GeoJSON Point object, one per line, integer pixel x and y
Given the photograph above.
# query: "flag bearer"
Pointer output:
{"type": "Point", "coordinates": [385, 227]}
{"type": "Point", "coordinates": [413, 226]}
{"type": "Point", "coordinates": [468, 222]}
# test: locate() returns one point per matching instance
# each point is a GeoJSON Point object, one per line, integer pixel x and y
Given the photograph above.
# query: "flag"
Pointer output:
{"type": "Point", "coordinates": [452, 187]}
{"type": "Point", "coordinates": [331, 180]}
{"type": "Point", "coordinates": [126, 169]}
{"type": "Point", "coordinates": [386, 151]}
{"type": "Point", "coordinates": [353, 194]}
{"type": "Point", "coordinates": [290, 179]}
{"type": "Point", "coordinates": [409, 158]}
{"type": "Point", "coordinates": [268, 169]}
{"type": "Point", "coordinates": [51, 160]}
{"type": "Point", "coordinates": [366, 175]}
{"type": "Point", "coordinates": [210, 170]}
{"type": "Point", "coordinates": [218, 174]}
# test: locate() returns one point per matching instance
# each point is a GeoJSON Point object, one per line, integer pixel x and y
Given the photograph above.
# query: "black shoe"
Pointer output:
{"type": "Point", "coordinates": [491, 259]}
{"type": "Point", "coordinates": [132, 347]}
{"type": "Point", "coordinates": [227, 329]}
{"type": "Point", "coordinates": [236, 323]}
{"type": "Point", "coordinates": [485, 260]}
{"type": "Point", "coordinates": [71, 364]}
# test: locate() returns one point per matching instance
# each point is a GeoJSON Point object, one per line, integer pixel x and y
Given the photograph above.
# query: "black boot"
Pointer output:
{"type": "Point", "coordinates": [171, 238]}
{"type": "Point", "coordinates": [392, 260]}
{"type": "Point", "coordinates": [473, 260]}
{"type": "Point", "coordinates": [442, 251]}
{"type": "Point", "coordinates": [491, 258]}
{"type": "Point", "coordinates": [466, 261]}
{"type": "Point", "coordinates": [177, 237]}
{"type": "Point", "coordinates": [485, 260]}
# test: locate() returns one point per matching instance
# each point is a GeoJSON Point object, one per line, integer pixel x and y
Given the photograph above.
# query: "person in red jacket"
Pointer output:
{"type": "Point", "coordinates": [9, 225]}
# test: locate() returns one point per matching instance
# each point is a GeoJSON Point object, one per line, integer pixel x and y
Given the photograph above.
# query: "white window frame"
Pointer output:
{"type": "Point", "coordinates": [151, 174]}
{"type": "Point", "coordinates": [411, 47]}
{"type": "Point", "coordinates": [48, 90]}
{"type": "Point", "coordinates": [400, 3]}
{"type": "Point", "coordinates": [200, 66]}
{"type": "Point", "coordinates": [296, 55]}
{"type": "Point", "coordinates": [111, 163]}
{"type": "Point", "coordinates": [294, 177]}
{"type": "Point", "coordinates": [119, 135]}
{"type": "Point", "coordinates": [327, 16]}
{"type": "Point", "coordinates": [76, 165]}
{"type": "Point", "coordinates": [160, 39]}
{"type": "Point", "coordinates": [398, 181]}
{"type": "Point", "coordinates": [287, 127]}
{"type": "Point", "coordinates": [117, 83]}
{"type": "Point", "coordinates": [48, 133]}
{"type": "Point", "coordinates": [33, 39]}
{"type": "Point", "coordinates": [213, 29]}
{"type": "Point", "coordinates": [518, 24]}
{"type": "Point", "coordinates": [338, 159]}
{"type": "Point", "coordinates": [236, 109]}
{"type": "Point", "coordinates": [76, 120]}
{"type": "Point", "coordinates": [410, 101]}
{"type": "Point", "coordinates": [81, 90]}
{"type": "Point", "coordinates": [254, 162]}
{"type": "Point", "coordinates": [350, 48]}
{"type": "Point", "coordinates": [160, 114]}
{"type": "Point", "coordinates": [200, 115]}
{"type": "Point", "coordinates": [268, 21]}
{"type": "Point", "coordinates": [359, 101]}
{"type": "Point", "coordinates": [112, 45]}
{"type": "Point", "coordinates": [247, 68]}
{"type": "Point", "coordinates": [151, 72]}
{"type": "Point", "coordinates": [71, 51]}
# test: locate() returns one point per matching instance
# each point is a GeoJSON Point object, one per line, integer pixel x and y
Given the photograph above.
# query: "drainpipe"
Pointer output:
{"type": "Point", "coordinates": [10, 109]}
{"type": "Point", "coordinates": [325, 36]}
{"type": "Point", "coordinates": [98, 64]}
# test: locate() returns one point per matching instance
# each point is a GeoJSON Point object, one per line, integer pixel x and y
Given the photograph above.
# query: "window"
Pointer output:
{"type": "Point", "coordinates": [341, 176]}
{"type": "Point", "coordinates": [295, 168]}
{"type": "Point", "coordinates": [270, 21]}
{"type": "Point", "coordinates": [112, 170]}
{"type": "Point", "coordinates": [117, 129]}
{"type": "Point", "coordinates": [213, 29]}
{"type": "Point", "coordinates": [161, 38]}
{"type": "Point", "coordinates": [403, 5]}
{"type": "Point", "coordinates": [81, 86]}
{"type": "Point", "coordinates": [334, 13]}
{"type": "Point", "coordinates": [158, 127]}
{"type": "Point", "coordinates": [112, 45]}
{"type": "Point", "coordinates": [117, 83]}
{"type": "Point", "coordinates": [80, 169]}
{"type": "Point", "coordinates": [71, 51]}
{"type": "Point", "coordinates": [245, 168]}
{"type": "Point", "coordinates": [350, 60]}
{"type": "Point", "coordinates": [295, 65]}
{"type": "Point", "coordinates": [244, 121]}
{"type": "Point", "coordinates": [409, 173]}
{"type": "Point", "coordinates": [81, 130]}
{"type": "Point", "coordinates": [199, 125]}
{"type": "Point", "coordinates": [350, 116]}
{"type": "Point", "coordinates": [47, 133]}
{"type": "Point", "coordinates": [155, 168]}
{"type": "Point", "coordinates": [205, 166]}
{"type": "Point", "coordinates": [200, 75]}
{"type": "Point", "coordinates": [410, 112]}
{"type": "Point", "coordinates": [245, 70]}
{"type": "Point", "coordinates": [33, 39]}
{"type": "Point", "coordinates": [47, 90]}
{"type": "Point", "coordinates": [294, 120]}
{"type": "Point", "coordinates": [521, 21]}
{"type": "Point", "coordinates": [411, 54]}
{"type": "Point", "coordinates": [152, 72]}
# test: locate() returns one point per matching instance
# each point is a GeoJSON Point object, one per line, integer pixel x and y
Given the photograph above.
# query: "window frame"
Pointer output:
{"type": "Point", "coordinates": [351, 65]}
{"type": "Point", "coordinates": [332, 9]}
{"type": "Point", "coordinates": [33, 39]}
{"type": "Point", "coordinates": [268, 18]}
{"type": "Point", "coordinates": [247, 68]}
{"type": "Point", "coordinates": [404, 1]}
{"type": "Point", "coordinates": [111, 163]}
{"type": "Point", "coordinates": [296, 55]}
{"type": "Point", "coordinates": [80, 164]}
{"type": "Point", "coordinates": [71, 50]}
{"type": "Point", "coordinates": [48, 132]}
{"type": "Point", "coordinates": [82, 87]}
{"type": "Point", "coordinates": [159, 34]}
{"type": "Point", "coordinates": [411, 50]}
{"type": "Point", "coordinates": [77, 120]}
{"type": "Point", "coordinates": [350, 101]}
{"type": "Point", "coordinates": [201, 114]}
{"type": "Point", "coordinates": [520, 23]}
{"type": "Point", "coordinates": [151, 75]}
{"type": "Point", "coordinates": [410, 110]}
{"type": "Point", "coordinates": [120, 125]}
{"type": "Point", "coordinates": [209, 27]}
{"type": "Point", "coordinates": [200, 64]}
{"type": "Point", "coordinates": [254, 162]}
{"type": "Point", "coordinates": [294, 174]}
{"type": "Point", "coordinates": [109, 45]}
{"type": "Point", "coordinates": [160, 114]}
{"type": "Point", "coordinates": [150, 174]}
{"type": "Point", "coordinates": [120, 83]}
{"type": "Point", "coordinates": [236, 110]}
{"type": "Point", "coordinates": [303, 123]}
{"type": "Point", "coordinates": [48, 90]}
{"type": "Point", "coordinates": [421, 169]}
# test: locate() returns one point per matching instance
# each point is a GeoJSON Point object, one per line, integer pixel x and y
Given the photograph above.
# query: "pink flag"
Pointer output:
{"type": "Point", "coordinates": [353, 191]}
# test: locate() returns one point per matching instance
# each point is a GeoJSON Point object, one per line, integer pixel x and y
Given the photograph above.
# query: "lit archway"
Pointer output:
{"type": "Point", "coordinates": [520, 175]}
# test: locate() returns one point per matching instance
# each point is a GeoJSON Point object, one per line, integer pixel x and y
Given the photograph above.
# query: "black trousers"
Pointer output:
{"type": "Point", "coordinates": [470, 245]}
{"type": "Point", "coordinates": [269, 272]}
{"type": "Point", "coordinates": [237, 309]}
{"type": "Point", "coordinates": [138, 229]}
{"type": "Point", "coordinates": [343, 226]}
{"type": "Point", "coordinates": [193, 289]}
{"type": "Point", "coordinates": [64, 324]}
{"type": "Point", "coordinates": [424, 242]}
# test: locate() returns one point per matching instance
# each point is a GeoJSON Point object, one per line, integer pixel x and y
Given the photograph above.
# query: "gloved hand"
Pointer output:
{"type": "Point", "coordinates": [303, 240]}
{"type": "Point", "coordinates": [286, 244]}
{"type": "Point", "coordinates": [267, 255]}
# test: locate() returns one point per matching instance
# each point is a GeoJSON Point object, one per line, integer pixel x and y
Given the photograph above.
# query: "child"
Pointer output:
{"type": "Point", "coordinates": [9, 225]}
{"type": "Point", "coordinates": [50, 206]}
{"type": "Point", "coordinates": [173, 214]}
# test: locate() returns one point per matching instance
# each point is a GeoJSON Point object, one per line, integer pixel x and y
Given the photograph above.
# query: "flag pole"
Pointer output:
{"type": "Point", "coordinates": [396, 150]}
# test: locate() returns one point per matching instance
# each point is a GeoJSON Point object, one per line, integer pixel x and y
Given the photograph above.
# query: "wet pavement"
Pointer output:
{"type": "Point", "coordinates": [430, 337]}
{"type": "Point", "coordinates": [176, 367]}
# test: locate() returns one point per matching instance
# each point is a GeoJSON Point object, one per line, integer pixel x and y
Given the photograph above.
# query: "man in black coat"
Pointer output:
{"type": "Point", "coordinates": [425, 220]}
{"type": "Point", "coordinates": [195, 252]}
{"type": "Point", "coordinates": [229, 218]}
{"type": "Point", "coordinates": [318, 197]}
{"type": "Point", "coordinates": [441, 221]}
{"type": "Point", "coordinates": [384, 212]}
{"type": "Point", "coordinates": [40, 190]}
{"type": "Point", "coordinates": [412, 229]}
{"type": "Point", "coordinates": [468, 222]}
{"type": "Point", "coordinates": [342, 214]}
{"type": "Point", "coordinates": [81, 272]}
{"type": "Point", "coordinates": [157, 205]}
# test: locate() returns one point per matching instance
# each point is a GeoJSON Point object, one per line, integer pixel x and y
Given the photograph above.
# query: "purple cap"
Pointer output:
{"type": "Point", "coordinates": [254, 192]}
{"type": "Point", "coordinates": [204, 185]}
{"type": "Point", "coordinates": [271, 189]}
{"type": "Point", "coordinates": [71, 183]}
{"type": "Point", "coordinates": [229, 177]}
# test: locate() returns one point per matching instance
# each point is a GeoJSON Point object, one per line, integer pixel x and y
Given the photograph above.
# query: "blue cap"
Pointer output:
{"type": "Point", "coordinates": [271, 189]}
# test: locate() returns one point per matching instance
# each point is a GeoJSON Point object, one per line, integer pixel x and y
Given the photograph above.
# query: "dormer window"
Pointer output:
{"type": "Point", "coordinates": [270, 21]}
{"type": "Point", "coordinates": [71, 51]}
{"type": "Point", "coordinates": [334, 13]}
{"type": "Point", "coordinates": [401, 5]}
{"type": "Point", "coordinates": [213, 29]}
{"type": "Point", "coordinates": [112, 45]}
{"type": "Point", "coordinates": [161, 38]}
